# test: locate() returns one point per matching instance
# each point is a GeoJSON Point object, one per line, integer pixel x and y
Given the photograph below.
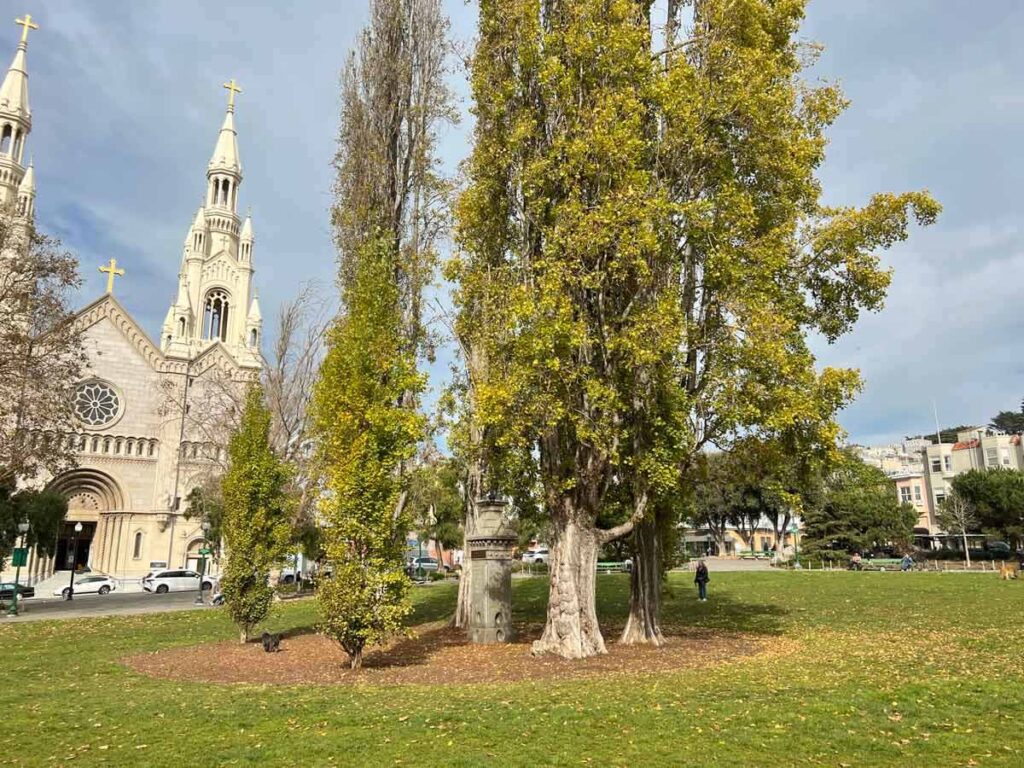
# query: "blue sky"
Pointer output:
{"type": "Point", "coordinates": [126, 102]}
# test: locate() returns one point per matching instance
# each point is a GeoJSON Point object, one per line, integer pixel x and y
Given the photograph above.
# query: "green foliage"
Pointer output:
{"type": "Point", "coordinates": [365, 435]}
{"type": "Point", "coordinates": [630, 283]}
{"type": "Point", "coordinates": [363, 603]}
{"type": "Point", "coordinates": [859, 512]}
{"type": "Point", "coordinates": [206, 502]}
{"type": "Point", "coordinates": [948, 434]}
{"type": "Point", "coordinates": [436, 503]}
{"type": "Point", "coordinates": [997, 498]}
{"type": "Point", "coordinates": [256, 516]}
{"type": "Point", "coordinates": [1010, 422]}
{"type": "Point", "coordinates": [43, 510]}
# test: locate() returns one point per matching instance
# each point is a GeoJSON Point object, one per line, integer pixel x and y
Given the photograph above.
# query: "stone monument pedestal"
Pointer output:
{"type": "Point", "coordinates": [490, 561]}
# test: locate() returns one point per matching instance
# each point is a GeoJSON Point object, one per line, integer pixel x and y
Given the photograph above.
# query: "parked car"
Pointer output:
{"type": "Point", "coordinates": [176, 580]}
{"type": "Point", "coordinates": [537, 556]}
{"type": "Point", "coordinates": [7, 591]}
{"type": "Point", "coordinates": [426, 563]}
{"type": "Point", "coordinates": [89, 585]}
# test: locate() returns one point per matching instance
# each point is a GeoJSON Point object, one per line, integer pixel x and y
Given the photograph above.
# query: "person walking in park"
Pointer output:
{"type": "Point", "coordinates": [701, 579]}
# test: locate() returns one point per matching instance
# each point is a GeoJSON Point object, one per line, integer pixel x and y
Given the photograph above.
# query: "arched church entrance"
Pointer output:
{"type": "Point", "coordinates": [90, 493]}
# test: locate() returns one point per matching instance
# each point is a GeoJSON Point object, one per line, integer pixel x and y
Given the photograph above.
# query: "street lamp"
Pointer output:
{"type": "Point", "coordinates": [203, 550]}
{"type": "Point", "coordinates": [793, 529]}
{"type": "Point", "coordinates": [74, 558]}
{"type": "Point", "coordinates": [19, 560]}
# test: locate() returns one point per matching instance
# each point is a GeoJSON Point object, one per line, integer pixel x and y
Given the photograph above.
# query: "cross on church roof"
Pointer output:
{"type": "Point", "coordinates": [26, 24]}
{"type": "Point", "coordinates": [233, 88]}
{"type": "Point", "coordinates": [111, 270]}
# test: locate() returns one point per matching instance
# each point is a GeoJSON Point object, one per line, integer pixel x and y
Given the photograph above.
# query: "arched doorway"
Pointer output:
{"type": "Point", "coordinates": [89, 493]}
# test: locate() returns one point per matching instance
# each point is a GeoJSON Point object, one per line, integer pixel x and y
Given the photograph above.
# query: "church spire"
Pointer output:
{"type": "Point", "coordinates": [214, 301]}
{"type": "Point", "coordinates": [225, 169]}
{"type": "Point", "coordinates": [14, 91]}
{"type": "Point", "coordinates": [15, 116]}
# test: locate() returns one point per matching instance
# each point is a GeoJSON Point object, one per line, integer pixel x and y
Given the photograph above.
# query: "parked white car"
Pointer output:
{"type": "Point", "coordinates": [176, 580]}
{"type": "Point", "coordinates": [537, 556]}
{"type": "Point", "coordinates": [425, 563]}
{"type": "Point", "coordinates": [89, 584]}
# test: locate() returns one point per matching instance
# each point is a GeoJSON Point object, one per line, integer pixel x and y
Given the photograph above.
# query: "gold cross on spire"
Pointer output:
{"type": "Point", "coordinates": [111, 270]}
{"type": "Point", "coordinates": [26, 24]}
{"type": "Point", "coordinates": [233, 88]}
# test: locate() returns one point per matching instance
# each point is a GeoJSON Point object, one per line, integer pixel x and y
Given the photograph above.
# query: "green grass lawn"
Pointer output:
{"type": "Point", "coordinates": [868, 669]}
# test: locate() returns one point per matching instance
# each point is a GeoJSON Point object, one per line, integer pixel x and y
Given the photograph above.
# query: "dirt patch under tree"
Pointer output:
{"type": "Point", "coordinates": [436, 654]}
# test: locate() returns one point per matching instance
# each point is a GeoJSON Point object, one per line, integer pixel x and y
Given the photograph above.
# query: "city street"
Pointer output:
{"type": "Point", "coordinates": [114, 604]}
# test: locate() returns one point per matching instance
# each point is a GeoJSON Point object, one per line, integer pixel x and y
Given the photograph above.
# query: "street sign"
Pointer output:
{"type": "Point", "coordinates": [205, 551]}
{"type": "Point", "coordinates": [19, 557]}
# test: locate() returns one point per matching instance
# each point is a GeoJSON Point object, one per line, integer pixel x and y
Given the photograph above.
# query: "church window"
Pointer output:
{"type": "Point", "coordinates": [95, 403]}
{"type": "Point", "coordinates": [253, 337]}
{"type": "Point", "coordinates": [152, 447]}
{"type": "Point", "coordinates": [95, 445]}
{"type": "Point", "coordinates": [181, 326]}
{"type": "Point", "coordinates": [106, 445]}
{"type": "Point", "coordinates": [5, 139]}
{"type": "Point", "coordinates": [215, 316]}
{"type": "Point", "coordinates": [137, 548]}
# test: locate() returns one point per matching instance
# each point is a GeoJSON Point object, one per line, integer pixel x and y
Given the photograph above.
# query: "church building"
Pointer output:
{"type": "Point", "coordinates": [140, 435]}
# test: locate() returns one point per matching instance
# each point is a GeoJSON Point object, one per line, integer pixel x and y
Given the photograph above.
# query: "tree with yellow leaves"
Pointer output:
{"type": "Point", "coordinates": [643, 228]}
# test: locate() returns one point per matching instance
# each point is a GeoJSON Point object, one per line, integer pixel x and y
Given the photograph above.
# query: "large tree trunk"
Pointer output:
{"type": "Point", "coordinates": [463, 608]}
{"type": "Point", "coordinates": [572, 630]}
{"type": "Point", "coordinates": [460, 620]}
{"type": "Point", "coordinates": [643, 624]}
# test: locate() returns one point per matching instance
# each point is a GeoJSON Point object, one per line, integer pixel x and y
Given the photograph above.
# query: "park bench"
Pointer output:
{"type": "Point", "coordinates": [612, 567]}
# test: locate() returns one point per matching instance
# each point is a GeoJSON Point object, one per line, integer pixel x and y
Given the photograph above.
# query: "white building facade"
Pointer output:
{"type": "Point", "coordinates": [138, 455]}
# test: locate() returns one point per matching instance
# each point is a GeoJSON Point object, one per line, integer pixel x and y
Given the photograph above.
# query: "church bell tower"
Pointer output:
{"type": "Point", "coordinates": [215, 301]}
{"type": "Point", "coordinates": [17, 182]}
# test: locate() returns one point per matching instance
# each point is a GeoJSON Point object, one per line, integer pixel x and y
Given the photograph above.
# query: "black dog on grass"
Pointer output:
{"type": "Point", "coordinates": [271, 643]}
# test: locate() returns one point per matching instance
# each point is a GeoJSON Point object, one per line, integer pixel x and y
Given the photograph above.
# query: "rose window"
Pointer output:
{"type": "Point", "coordinates": [96, 403]}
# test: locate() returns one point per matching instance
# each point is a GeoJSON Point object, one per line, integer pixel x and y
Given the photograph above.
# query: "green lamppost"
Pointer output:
{"type": "Point", "coordinates": [19, 558]}
{"type": "Point", "coordinates": [793, 529]}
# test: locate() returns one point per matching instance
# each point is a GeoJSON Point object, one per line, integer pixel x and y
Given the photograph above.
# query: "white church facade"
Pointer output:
{"type": "Point", "coordinates": [138, 455]}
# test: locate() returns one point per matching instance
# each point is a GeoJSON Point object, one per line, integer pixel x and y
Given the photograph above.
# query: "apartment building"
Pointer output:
{"type": "Point", "coordinates": [975, 448]}
{"type": "Point", "coordinates": [912, 488]}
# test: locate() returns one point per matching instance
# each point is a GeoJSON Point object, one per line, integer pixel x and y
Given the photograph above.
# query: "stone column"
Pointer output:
{"type": "Point", "coordinates": [490, 558]}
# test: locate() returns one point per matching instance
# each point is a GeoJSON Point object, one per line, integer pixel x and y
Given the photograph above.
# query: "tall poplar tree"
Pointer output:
{"type": "Point", "coordinates": [256, 516]}
{"type": "Point", "coordinates": [388, 214]}
{"type": "Point", "coordinates": [644, 222]}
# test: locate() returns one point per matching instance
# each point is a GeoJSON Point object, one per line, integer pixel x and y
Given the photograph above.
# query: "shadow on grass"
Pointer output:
{"type": "Point", "coordinates": [724, 612]}
{"type": "Point", "coordinates": [726, 609]}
